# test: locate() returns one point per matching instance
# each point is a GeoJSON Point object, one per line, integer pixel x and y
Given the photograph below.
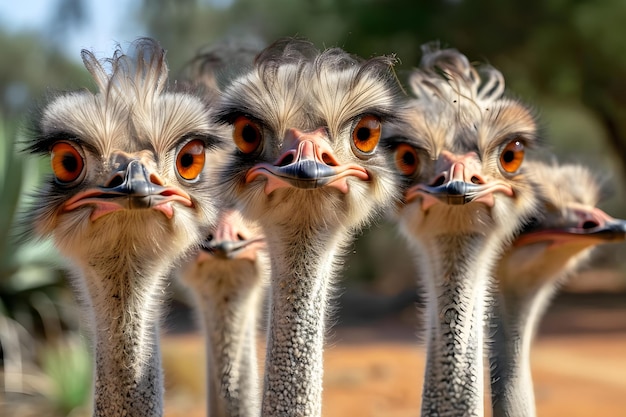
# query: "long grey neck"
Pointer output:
{"type": "Point", "coordinates": [302, 268]}
{"type": "Point", "coordinates": [128, 376]}
{"type": "Point", "coordinates": [513, 325]}
{"type": "Point", "coordinates": [457, 281]}
{"type": "Point", "coordinates": [230, 319]}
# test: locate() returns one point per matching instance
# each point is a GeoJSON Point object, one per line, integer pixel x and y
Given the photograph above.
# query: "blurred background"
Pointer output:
{"type": "Point", "coordinates": [565, 57]}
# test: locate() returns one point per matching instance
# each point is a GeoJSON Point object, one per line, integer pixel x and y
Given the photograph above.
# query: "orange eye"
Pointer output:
{"type": "Point", "coordinates": [67, 163]}
{"type": "Point", "coordinates": [366, 133]}
{"type": "Point", "coordinates": [512, 156]}
{"type": "Point", "coordinates": [190, 160]}
{"type": "Point", "coordinates": [406, 159]}
{"type": "Point", "coordinates": [247, 135]}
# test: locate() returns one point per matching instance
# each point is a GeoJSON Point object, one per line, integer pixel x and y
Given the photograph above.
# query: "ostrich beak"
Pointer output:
{"type": "Point", "coordinates": [227, 249]}
{"type": "Point", "coordinates": [614, 231]}
{"type": "Point", "coordinates": [308, 163]}
{"type": "Point", "coordinates": [458, 185]}
{"type": "Point", "coordinates": [452, 193]}
{"type": "Point", "coordinates": [230, 239]}
{"type": "Point", "coordinates": [131, 187]}
{"type": "Point", "coordinates": [592, 226]}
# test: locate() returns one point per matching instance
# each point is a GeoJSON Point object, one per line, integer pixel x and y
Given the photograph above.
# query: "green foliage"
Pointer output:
{"type": "Point", "coordinates": [24, 267]}
{"type": "Point", "coordinates": [32, 301]}
{"type": "Point", "coordinates": [67, 364]}
{"type": "Point", "coordinates": [11, 169]}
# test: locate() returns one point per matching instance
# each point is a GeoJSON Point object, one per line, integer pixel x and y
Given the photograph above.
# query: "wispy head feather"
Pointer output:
{"type": "Point", "coordinates": [142, 70]}
{"type": "Point", "coordinates": [447, 74]}
{"type": "Point", "coordinates": [215, 66]}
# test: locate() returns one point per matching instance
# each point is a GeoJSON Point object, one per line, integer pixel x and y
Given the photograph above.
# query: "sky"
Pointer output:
{"type": "Point", "coordinates": [108, 23]}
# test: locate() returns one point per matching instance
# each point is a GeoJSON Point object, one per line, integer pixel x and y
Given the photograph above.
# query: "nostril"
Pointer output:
{"type": "Point", "coordinates": [154, 179]}
{"type": "Point", "coordinates": [116, 181]}
{"type": "Point", "coordinates": [590, 224]}
{"type": "Point", "coordinates": [240, 237]}
{"type": "Point", "coordinates": [286, 160]}
{"type": "Point", "coordinates": [476, 180]}
{"type": "Point", "coordinates": [439, 181]}
{"type": "Point", "coordinates": [328, 160]}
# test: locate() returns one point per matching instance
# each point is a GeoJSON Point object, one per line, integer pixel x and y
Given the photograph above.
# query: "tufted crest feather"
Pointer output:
{"type": "Point", "coordinates": [216, 65]}
{"type": "Point", "coordinates": [142, 70]}
{"type": "Point", "coordinates": [447, 74]}
{"type": "Point", "coordinates": [132, 109]}
{"type": "Point", "coordinates": [294, 84]}
{"type": "Point", "coordinates": [462, 108]}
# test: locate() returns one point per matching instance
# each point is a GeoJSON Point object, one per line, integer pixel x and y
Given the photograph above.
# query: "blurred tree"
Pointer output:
{"type": "Point", "coordinates": [29, 66]}
{"type": "Point", "coordinates": [68, 14]}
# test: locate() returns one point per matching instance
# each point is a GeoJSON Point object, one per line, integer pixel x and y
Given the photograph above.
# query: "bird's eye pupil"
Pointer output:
{"type": "Point", "coordinates": [408, 159]}
{"type": "Point", "coordinates": [363, 134]}
{"type": "Point", "coordinates": [69, 162]}
{"type": "Point", "coordinates": [186, 160]}
{"type": "Point", "coordinates": [508, 156]}
{"type": "Point", "coordinates": [249, 134]}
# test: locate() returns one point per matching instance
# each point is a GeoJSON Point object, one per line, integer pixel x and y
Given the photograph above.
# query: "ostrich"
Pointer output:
{"type": "Point", "coordinates": [229, 273]}
{"type": "Point", "coordinates": [216, 65]}
{"type": "Point", "coordinates": [227, 280]}
{"type": "Point", "coordinates": [311, 130]}
{"type": "Point", "coordinates": [128, 196]}
{"type": "Point", "coordinates": [531, 270]}
{"type": "Point", "coordinates": [466, 193]}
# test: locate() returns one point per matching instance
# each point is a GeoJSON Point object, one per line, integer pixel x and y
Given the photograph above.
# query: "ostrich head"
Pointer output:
{"type": "Point", "coordinates": [215, 66]}
{"type": "Point", "coordinates": [232, 249]}
{"type": "Point", "coordinates": [130, 163]}
{"type": "Point", "coordinates": [310, 129]}
{"type": "Point", "coordinates": [463, 165]}
{"type": "Point", "coordinates": [568, 227]}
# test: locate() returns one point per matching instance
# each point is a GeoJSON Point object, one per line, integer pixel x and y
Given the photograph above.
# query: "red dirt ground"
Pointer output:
{"type": "Point", "coordinates": [578, 360]}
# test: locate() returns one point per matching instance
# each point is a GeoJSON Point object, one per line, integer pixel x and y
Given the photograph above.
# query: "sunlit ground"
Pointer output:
{"type": "Point", "coordinates": [578, 361]}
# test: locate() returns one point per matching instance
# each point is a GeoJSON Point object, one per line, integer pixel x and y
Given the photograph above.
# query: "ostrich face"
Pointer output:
{"type": "Point", "coordinates": [232, 256]}
{"type": "Point", "coordinates": [463, 164]}
{"type": "Point", "coordinates": [130, 163]}
{"type": "Point", "coordinates": [233, 238]}
{"type": "Point", "coordinates": [568, 228]}
{"type": "Point", "coordinates": [310, 130]}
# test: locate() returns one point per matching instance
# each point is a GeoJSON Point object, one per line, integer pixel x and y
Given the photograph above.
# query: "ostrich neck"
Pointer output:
{"type": "Point", "coordinates": [128, 377]}
{"type": "Point", "coordinates": [513, 325]}
{"type": "Point", "coordinates": [302, 267]}
{"type": "Point", "coordinates": [230, 318]}
{"type": "Point", "coordinates": [458, 269]}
